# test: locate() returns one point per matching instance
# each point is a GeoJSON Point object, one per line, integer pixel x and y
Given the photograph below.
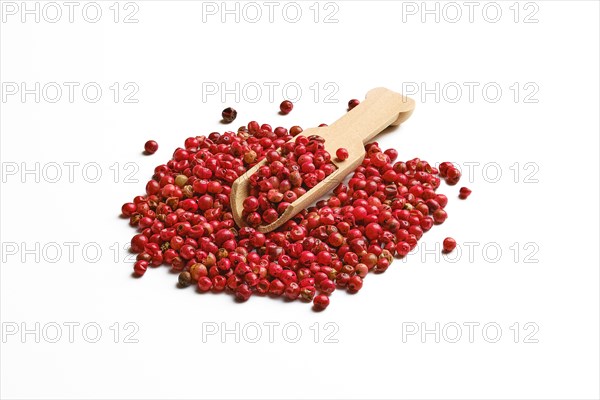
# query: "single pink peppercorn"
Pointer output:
{"type": "Point", "coordinates": [286, 107]}
{"type": "Point", "coordinates": [464, 193]}
{"type": "Point", "coordinates": [353, 103]}
{"type": "Point", "coordinates": [449, 244]}
{"type": "Point", "coordinates": [140, 267]}
{"type": "Point", "coordinates": [321, 302]}
{"type": "Point", "coordinates": [151, 146]}
{"type": "Point", "coordinates": [229, 115]}
{"type": "Point", "coordinates": [128, 209]}
{"type": "Point", "coordinates": [452, 176]}
{"type": "Point", "coordinates": [204, 284]}
{"type": "Point", "coordinates": [341, 154]}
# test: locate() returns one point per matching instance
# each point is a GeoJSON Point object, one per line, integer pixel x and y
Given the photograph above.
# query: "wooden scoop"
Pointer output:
{"type": "Point", "coordinates": [380, 109]}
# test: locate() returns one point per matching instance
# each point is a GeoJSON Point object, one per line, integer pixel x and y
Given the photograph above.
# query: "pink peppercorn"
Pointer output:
{"type": "Point", "coordinates": [321, 302]}
{"type": "Point", "coordinates": [341, 154]}
{"type": "Point", "coordinates": [464, 193]}
{"type": "Point", "coordinates": [286, 107]}
{"type": "Point", "coordinates": [353, 103]}
{"type": "Point", "coordinates": [150, 147]}
{"type": "Point", "coordinates": [449, 244]}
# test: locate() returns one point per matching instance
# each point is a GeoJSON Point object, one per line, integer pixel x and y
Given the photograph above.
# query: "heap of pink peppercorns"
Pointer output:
{"type": "Point", "coordinates": [185, 220]}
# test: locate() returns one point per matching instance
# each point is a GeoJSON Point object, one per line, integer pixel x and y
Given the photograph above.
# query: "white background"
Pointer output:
{"type": "Point", "coordinates": [171, 54]}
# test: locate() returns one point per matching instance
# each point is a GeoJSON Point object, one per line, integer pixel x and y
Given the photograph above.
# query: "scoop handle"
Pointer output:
{"type": "Point", "coordinates": [380, 109]}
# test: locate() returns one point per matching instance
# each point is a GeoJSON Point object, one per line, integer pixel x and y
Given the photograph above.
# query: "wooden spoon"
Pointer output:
{"type": "Point", "coordinates": [380, 109]}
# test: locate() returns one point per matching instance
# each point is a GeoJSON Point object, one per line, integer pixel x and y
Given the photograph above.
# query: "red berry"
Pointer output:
{"type": "Point", "coordinates": [327, 286]}
{"type": "Point", "coordinates": [449, 244]}
{"type": "Point", "coordinates": [402, 248]}
{"type": "Point", "coordinates": [128, 209]}
{"type": "Point", "coordinates": [464, 193]}
{"type": "Point", "coordinates": [321, 302]}
{"type": "Point", "coordinates": [243, 292]}
{"type": "Point", "coordinates": [355, 284]}
{"type": "Point", "coordinates": [151, 146]}
{"type": "Point", "coordinates": [441, 199]}
{"type": "Point", "coordinates": [229, 115]}
{"type": "Point", "coordinates": [353, 103]}
{"type": "Point", "coordinates": [341, 154]}
{"type": "Point", "coordinates": [276, 288]}
{"type": "Point", "coordinates": [204, 284]}
{"type": "Point", "coordinates": [286, 107]}
{"type": "Point", "coordinates": [140, 266]}
{"type": "Point", "coordinates": [443, 168]}
{"type": "Point", "coordinates": [138, 242]}
{"type": "Point", "coordinates": [439, 216]}
{"type": "Point", "coordinates": [373, 231]}
{"type": "Point", "coordinates": [292, 291]}
{"type": "Point", "coordinates": [452, 176]}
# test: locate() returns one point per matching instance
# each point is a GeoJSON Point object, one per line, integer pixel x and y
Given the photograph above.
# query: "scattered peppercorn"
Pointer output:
{"type": "Point", "coordinates": [150, 147]}
{"type": "Point", "coordinates": [140, 266]}
{"type": "Point", "coordinates": [464, 193]}
{"type": "Point", "coordinates": [449, 244]}
{"type": "Point", "coordinates": [229, 115]}
{"type": "Point", "coordinates": [185, 279]}
{"type": "Point", "coordinates": [353, 103]}
{"type": "Point", "coordinates": [321, 302]}
{"type": "Point", "coordinates": [286, 107]}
